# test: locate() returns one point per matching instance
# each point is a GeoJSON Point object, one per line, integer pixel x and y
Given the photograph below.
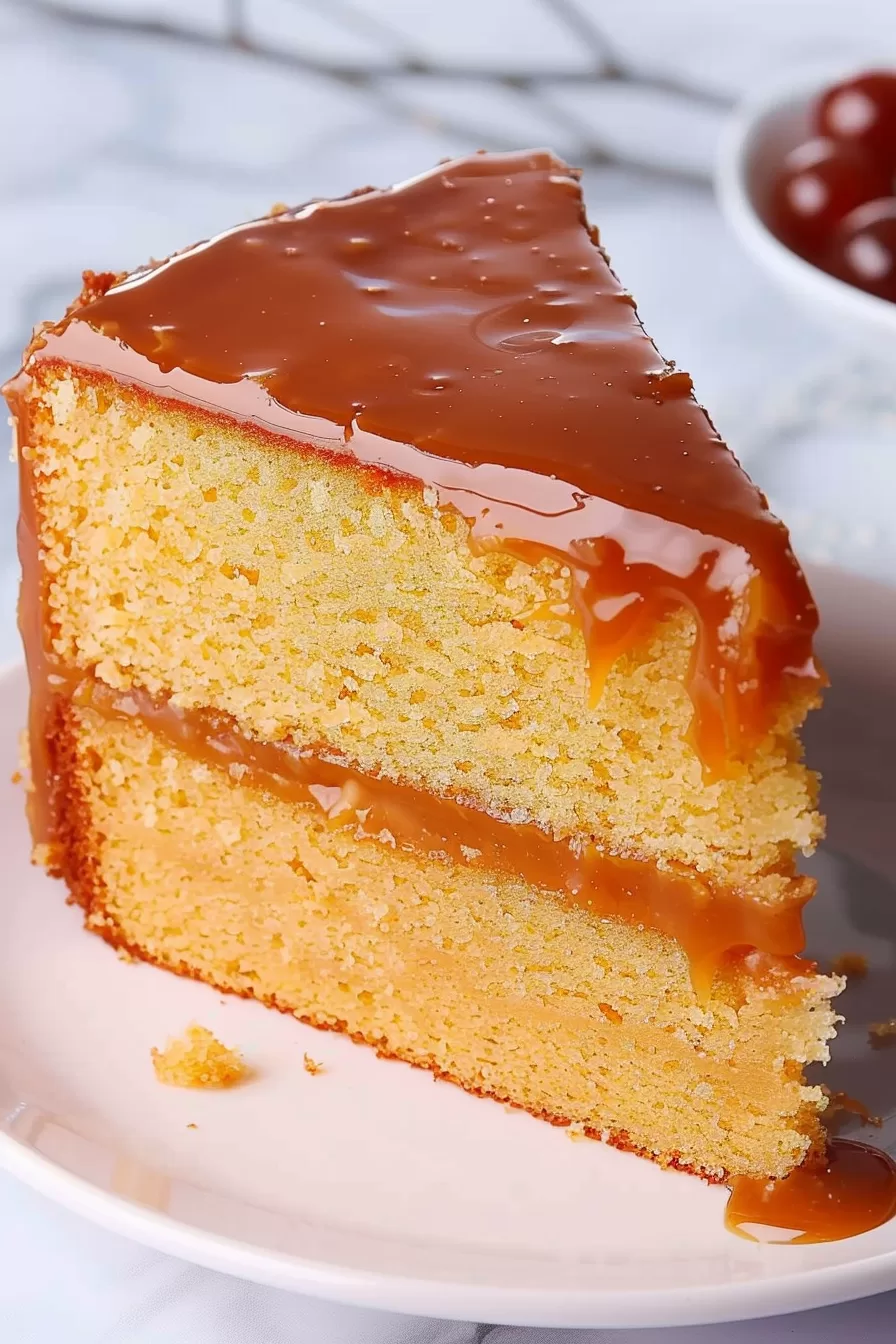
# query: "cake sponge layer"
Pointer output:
{"type": "Point", "coordinates": [312, 599]}
{"type": "Point", "coordinates": [477, 977]}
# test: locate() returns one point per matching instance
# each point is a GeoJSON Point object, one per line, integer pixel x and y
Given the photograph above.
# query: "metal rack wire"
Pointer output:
{"type": "Point", "coordinates": [376, 79]}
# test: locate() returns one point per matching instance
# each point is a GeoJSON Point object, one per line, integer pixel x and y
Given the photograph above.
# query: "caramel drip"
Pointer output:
{"type": "Point", "coordinates": [851, 1189]}
{"type": "Point", "coordinates": [463, 329]}
{"type": "Point", "coordinates": [707, 921]}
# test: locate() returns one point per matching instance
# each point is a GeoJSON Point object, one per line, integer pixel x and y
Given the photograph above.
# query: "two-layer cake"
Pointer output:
{"type": "Point", "coordinates": [408, 652]}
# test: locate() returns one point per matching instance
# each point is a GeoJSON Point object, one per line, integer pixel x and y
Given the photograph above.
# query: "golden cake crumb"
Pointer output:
{"type": "Point", "coordinates": [16, 777]}
{"type": "Point", "coordinates": [312, 1066]}
{"type": "Point", "coordinates": [197, 1059]}
{"type": "Point", "coordinates": [851, 964]}
{"type": "Point", "coordinates": [882, 1034]}
{"type": "Point", "coordinates": [192, 1126]}
{"type": "Point", "coordinates": [41, 856]}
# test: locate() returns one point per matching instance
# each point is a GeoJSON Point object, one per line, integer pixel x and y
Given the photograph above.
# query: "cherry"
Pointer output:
{"type": "Point", "coordinates": [820, 182]}
{"type": "Point", "coordinates": [863, 248]}
{"type": "Point", "coordinates": [862, 112]}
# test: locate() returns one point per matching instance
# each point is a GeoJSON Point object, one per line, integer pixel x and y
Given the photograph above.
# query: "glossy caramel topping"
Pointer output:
{"type": "Point", "coordinates": [464, 329]}
{"type": "Point", "coordinates": [851, 1189]}
{"type": "Point", "coordinates": [707, 921]}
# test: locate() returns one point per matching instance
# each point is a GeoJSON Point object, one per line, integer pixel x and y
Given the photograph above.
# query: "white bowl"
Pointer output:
{"type": "Point", "coordinates": [761, 132]}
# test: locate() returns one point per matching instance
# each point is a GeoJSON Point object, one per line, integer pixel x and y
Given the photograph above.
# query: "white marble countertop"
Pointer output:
{"type": "Point", "coordinates": [133, 127]}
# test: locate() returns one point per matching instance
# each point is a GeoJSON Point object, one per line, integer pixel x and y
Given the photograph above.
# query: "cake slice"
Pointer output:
{"type": "Point", "coordinates": [408, 652]}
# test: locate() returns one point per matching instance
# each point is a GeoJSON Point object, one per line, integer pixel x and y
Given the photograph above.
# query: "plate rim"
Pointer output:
{"type": "Point", "coordinates": [448, 1299]}
{"type": "Point", "coordinates": [453, 1299]}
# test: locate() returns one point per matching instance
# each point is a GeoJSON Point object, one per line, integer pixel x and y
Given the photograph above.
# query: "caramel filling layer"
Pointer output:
{"type": "Point", "coordinates": [464, 330]}
{"type": "Point", "coordinates": [706, 920]}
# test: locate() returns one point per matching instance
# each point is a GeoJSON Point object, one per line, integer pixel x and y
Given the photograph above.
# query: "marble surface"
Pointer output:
{"type": "Point", "coordinates": [135, 126]}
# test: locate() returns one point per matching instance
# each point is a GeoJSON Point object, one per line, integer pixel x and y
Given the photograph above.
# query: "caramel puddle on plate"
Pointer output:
{"type": "Point", "coordinates": [852, 1190]}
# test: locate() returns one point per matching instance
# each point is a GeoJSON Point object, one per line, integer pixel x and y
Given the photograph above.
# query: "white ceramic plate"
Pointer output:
{"type": "Point", "coordinates": [371, 1183]}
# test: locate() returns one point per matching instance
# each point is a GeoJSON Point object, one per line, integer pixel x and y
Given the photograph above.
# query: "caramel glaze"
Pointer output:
{"type": "Point", "coordinates": [708, 921]}
{"type": "Point", "coordinates": [849, 1189]}
{"type": "Point", "coordinates": [464, 329]}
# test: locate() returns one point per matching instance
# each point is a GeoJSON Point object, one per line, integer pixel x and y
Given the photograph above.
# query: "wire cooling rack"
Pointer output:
{"type": "Point", "coordinates": [379, 58]}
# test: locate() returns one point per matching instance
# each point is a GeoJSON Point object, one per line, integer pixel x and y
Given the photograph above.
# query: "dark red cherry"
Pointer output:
{"type": "Point", "coordinates": [862, 112]}
{"type": "Point", "coordinates": [863, 248]}
{"type": "Point", "coordinates": [819, 183]}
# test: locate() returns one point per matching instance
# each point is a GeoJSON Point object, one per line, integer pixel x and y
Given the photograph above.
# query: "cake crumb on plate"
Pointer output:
{"type": "Point", "coordinates": [312, 1066]}
{"type": "Point", "coordinates": [198, 1059]}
